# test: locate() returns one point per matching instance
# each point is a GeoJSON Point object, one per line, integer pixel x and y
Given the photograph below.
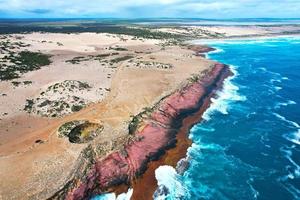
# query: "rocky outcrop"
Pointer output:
{"type": "Point", "coordinates": [157, 133]}
{"type": "Point", "coordinates": [201, 50]}
{"type": "Point", "coordinates": [182, 165]}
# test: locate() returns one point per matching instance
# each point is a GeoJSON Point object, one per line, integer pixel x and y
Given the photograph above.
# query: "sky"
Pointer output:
{"type": "Point", "coordinates": [150, 8]}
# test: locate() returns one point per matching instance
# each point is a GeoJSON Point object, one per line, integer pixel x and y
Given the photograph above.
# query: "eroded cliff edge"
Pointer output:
{"type": "Point", "coordinates": [151, 133]}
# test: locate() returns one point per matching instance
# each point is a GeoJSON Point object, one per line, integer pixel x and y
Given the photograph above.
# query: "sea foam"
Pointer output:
{"type": "Point", "coordinates": [224, 97]}
{"type": "Point", "coordinates": [169, 185]}
{"type": "Point", "coordinates": [280, 104]}
{"type": "Point", "coordinates": [293, 137]}
{"type": "Point", "coordinates": [286, 120]}
{"type": "Point", "coordinates": [113, 196]}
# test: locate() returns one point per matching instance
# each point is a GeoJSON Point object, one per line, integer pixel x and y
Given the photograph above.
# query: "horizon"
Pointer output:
{"type": "Point", "coordinates": [208, 9]}
{"type": "Point", "coordinates": [159, 18]}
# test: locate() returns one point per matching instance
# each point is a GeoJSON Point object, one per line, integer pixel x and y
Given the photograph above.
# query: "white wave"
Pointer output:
{"type": "Point", "coordinates": [263, 69]}
{"type": "Point", "coordinates": [217, 50]}
{"type": "Point", "coordinates": [292, 190]}
{"type": "Point", "coordinates": [285, 78]}
{"type": "Point", "coordinates": [255, 192]}
{"type": "Point", "coordinates": [201, 127]}
{"type": "Point", "coordinates": [288, 155]}
{"type": "Point", "coordinates": [224, 97]}
{"type": "Point", "coordinates": [289, 102]}
{"type": "Point", "coordinates": [169, 186]}
{"type": "Point", "coordinates": [277, 75]}
{"type": "Point", "coordinates": [293, 137]}
{"type": "Point", "coordinates": [286, 120]}
{"type": "Point", "coordinates": [277, 88]}
{"type": "Point", "coordinates": [113, 196]}
{"type": "Point", "coordinates": [212, 146]}
{"type": "Point", "coordinates": [108, 196]}
{"type": "Point", "coordinates": [275, 80]}
{"type": "Point", "coordinates": [125, 196]}
{"type": "Point", "coordinates": [206, 129]}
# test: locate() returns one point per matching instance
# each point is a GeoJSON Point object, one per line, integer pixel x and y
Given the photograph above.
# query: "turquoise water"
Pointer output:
{"type": "Point", "coordinates": [248, 145]}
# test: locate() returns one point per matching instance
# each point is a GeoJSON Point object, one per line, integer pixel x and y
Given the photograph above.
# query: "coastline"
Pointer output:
{"type": "Point", "coordinates": [158, 138]}
{"type": "Point", "coordinates": [135, 87]}
{"type": "Point", "coordinates": [116, 123]}
{"type": "Point", "coordinates": [145, 186]}
{"type": "Point", "coordinates": [215, 159]}
{"type": "Point", "coordinates": [245, 37]}
{"type": "Point", "coordinates": [142, 110]}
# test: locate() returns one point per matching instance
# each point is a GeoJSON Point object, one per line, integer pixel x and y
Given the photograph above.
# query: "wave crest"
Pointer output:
{"type": "Point", "coordinates": [224, 97]}
{"type": "Point", "coordinates": [169, 185]}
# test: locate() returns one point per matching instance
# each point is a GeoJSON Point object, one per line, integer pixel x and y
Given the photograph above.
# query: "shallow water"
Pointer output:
{"type": "Point", "coordinates": [248, 145]}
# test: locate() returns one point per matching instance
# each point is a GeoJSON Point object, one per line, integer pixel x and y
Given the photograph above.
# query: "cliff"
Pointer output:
{"type": "Point", "coordinates": [155, 131]}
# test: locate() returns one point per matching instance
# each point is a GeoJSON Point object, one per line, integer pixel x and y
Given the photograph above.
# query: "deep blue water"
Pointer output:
{"type": "Point", "coordinates": [248, 146]}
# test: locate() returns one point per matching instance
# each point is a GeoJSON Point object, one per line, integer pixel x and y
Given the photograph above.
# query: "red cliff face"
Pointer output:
{"type": "Point", "coordinates": [158, 134]}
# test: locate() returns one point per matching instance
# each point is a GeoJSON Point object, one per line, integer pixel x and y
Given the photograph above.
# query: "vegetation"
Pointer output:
{"type": "Point", "coordinates": [76, 108]}
{"type": "Point", "coordinates": [58, 99]}
{"type": "Point", "coordinates": [136, 120]}
{"type": "Point", "coordinates": [27, 82]}
{"type": "Point", "coordinates": [21, 63]}
{"type": "Point", "coordinates": [120, 59]}
{"type": "Point", "coordinates": [77, 60]}
{"type": "Point", "coordinates": [68, 85]}
{"type": "Point", "coordinates": [99, 57]}
{"type": "Point", "coordinates": [29, 105]}
{"type": "Point", "coordinates": [84, 132]}
{"type": "Point", "coordinates": [147, 64]}
{"type": "Point", "coordinates": [194, 78]}
{"type": "Point", "coordinates": [133, 125]}
{"type": "Point", "coordinates": [98, 27]}
{"type": "Point", "coordinates": [79, 131]}
{"type": "Point", "coordinates": [16, 83]}
{"type": "Point", "coordinates": [118, 48]}
{"type": "Point", "coordinates": [65, 129]}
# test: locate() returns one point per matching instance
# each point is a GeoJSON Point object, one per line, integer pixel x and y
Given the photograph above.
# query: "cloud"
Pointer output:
{"type": "Point", "coordinates": [151, 8]}
{"type": "Point", "coordinates": [39, 11]}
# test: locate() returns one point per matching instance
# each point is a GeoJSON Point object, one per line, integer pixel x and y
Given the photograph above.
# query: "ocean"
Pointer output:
{"type": "Point", "coordinates": [248, 144]}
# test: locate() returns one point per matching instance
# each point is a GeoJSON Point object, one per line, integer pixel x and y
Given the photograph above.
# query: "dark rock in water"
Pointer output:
{"type": "Point", "coordinates": [182, 165]}
{"type": "Point", "coordinates": [162, 191]}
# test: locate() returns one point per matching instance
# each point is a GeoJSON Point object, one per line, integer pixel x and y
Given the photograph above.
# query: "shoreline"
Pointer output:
{"type": "Point", "coordinates": [172, 156]}
{"type": "Point", "coordinates": [145, 107]}
{"type": "Point", "coordinates": [246, 37]}
{"type": "Point", "coordinates": [155, 72]}
{"type": "Point", "coordinates": [158, 139]}
{"type": "Point", "coordinates": [122, 91]}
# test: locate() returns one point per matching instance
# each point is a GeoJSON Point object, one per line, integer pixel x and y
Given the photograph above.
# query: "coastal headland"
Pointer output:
{"type": "Point", "coordinates": [157, 135]}
{"type": "Point", "coordinates": [115, 79]}
{"type": "Point", "coordinates": [93, 111]}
